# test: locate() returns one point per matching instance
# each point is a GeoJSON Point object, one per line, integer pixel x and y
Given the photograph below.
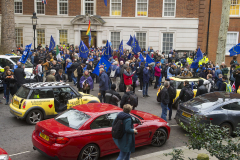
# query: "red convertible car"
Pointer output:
{"type": "Point", "coordinates": [84, 132]}
{"type": "Point", "coordinates": [4, 155]}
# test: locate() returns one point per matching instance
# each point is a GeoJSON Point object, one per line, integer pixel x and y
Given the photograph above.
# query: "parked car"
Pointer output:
{"type": "Point", "coordinates": [34, 102]}
{"type": "Point", "coordinates": [84, 132]}
{"type": "Point", "coordinates": [4, 155]}
{"type": "Point", "coordinates": [219, 108]}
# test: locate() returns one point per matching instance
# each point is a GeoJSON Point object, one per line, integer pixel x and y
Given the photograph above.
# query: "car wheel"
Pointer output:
{"type": "Point", "coordinates": [159, 138]}
{"type": "Point", "coordinates": [227, 126]}
{"type": "Point", "coordinates": [34, 116]}
{"type": "Point", "coordinates": [89, 152]}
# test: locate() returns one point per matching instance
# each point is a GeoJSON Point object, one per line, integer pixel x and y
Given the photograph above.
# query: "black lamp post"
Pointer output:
{"type": "Point", "coordinates": [34, 23]}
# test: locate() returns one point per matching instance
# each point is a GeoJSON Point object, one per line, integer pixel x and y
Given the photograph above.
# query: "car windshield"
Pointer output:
{"type": "Point", "coordinates": [179, 84]}
{"type": "Point", "coordinates": [27, 64]}
{"type": "Point", "coordinates": [72, 118]}
{"type": "Point", "coordinates": [23, 92]}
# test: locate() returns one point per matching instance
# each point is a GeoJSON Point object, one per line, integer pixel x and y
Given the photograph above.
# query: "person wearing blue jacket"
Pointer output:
{"type": "Point", "coordinates": [103, 84]}
{"type": "Point", "coordinates": [217, 72]}
{"type": "Point", "coordinates": [127, 143]}
{"type": "Point", "coordinates": [146, 78]}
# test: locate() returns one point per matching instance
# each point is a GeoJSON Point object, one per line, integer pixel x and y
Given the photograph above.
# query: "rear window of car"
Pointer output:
{"type": "Point", "coordinates": [180, 85]}
{"type": "Point", "coordinates": [27, 64]}
{"type": "Point", "coordinates": [72, 118]}
{"type": "Point", "coordinates": [23, 92]}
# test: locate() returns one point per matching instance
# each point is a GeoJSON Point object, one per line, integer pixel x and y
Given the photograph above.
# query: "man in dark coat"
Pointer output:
{"type": "Point", "coordinates": [125, 97]}
{"type": "Point", "coordinates": [186, 92]}
{"type": "Point", "coordinates": [112, 97]}
{"type": "Point", "coordinates": [140, 75]}
{"type": "Point", "coordinates": [236, 75]}
{"type": "Point", "coordinates": [201, 88]}
{"type": "Point", "coordinates": [60, 77]}
{"type": "Point", "coordinates": [224, 84]}
{"type": "Point", "coordinates": [164, 100]}
{"type": "Point", "coordinates": [80, 74]}
{"type": "Point", "coordinates": [19, 75]}
{"type": "Point", "coordinates": [172, 94]}
{"type": "Point", "coordinates": [71, 69]}
{"type": "Point", "coordinates": [103, 84]}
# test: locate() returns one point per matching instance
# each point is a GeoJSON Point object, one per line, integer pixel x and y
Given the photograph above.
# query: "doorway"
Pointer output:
{"type": "Point", "coordinates": [84, 38]}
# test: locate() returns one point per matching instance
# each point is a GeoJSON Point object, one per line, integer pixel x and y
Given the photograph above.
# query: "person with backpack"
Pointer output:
{"type": "Point", "coordinates": [123, 133]}
{"type": "Point", "coordinates": [163, 97]}
{"type": "Point", "coordinates": [186, 92]}
{"type": "Point", "coordinates": [129, 98]}
{"type": "Point", "coordinates": [112, 97]}
{"type": "Point", "coordinates": [209, 83]}
{"type": "Point", "coordinates": [201, 88]}
{"type": "Point", "coordinates": [115, 74]}
{"type": "Point", "coordinates": [226, 85]}
{"type": "Point", "coordinates": [172, 94]}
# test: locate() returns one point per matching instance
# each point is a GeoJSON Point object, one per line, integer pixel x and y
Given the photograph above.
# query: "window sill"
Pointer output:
{"type": "Point", "coordinates": [234, 17]}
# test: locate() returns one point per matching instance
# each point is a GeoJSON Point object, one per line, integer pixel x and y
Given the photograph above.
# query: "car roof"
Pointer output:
{"type": "Point", "coordinates": [221, 94]}
{"type": "Point", "coordinates": [93, 109]}
{"type": "Point", "coordinates": [6, 56]}
{"type": "Point", "coordinates": [45, 85]}
{"type": "Point", "coordinates": [181, 78]}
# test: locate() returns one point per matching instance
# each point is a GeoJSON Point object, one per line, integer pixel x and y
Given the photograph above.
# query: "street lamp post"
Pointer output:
{"type": "Point", "coordinates": [34, 23]}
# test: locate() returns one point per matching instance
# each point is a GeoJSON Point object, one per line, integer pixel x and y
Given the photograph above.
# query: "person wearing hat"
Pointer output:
{"type": "Point", "coordinates": [157, 74]}
{"type": "Point", "coordinates": [186, 73]}
{"type": "Point", "coordinates": [112, 97]}
{"type": "Point", "coordinates": [51, 76]}
{"type": "Point", "coordinates": [203, 60]}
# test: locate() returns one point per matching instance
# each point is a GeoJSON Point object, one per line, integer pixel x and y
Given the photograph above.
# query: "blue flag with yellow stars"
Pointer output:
{"type": "Point", "coordinates": [235, 50]}
{"type": "Point", "coordinates": [197, 58]}
{"type": "Point", "coordinates": [83, 50]}
{"type": "Point", "coordinates": [25, 54]}
{"type": "Point", "coordinates": [108, 51]}
{"type": "Point", "coordinates": [135, 46]}
{"type": "Point", "coordinates": [52, 44]}
{"type": "Point", "coordinates": [148, 60]}
{"type": "Point", "coordinates": [129, 43]}
{"type": "Point", "coordinates": [103, 62]}
{"type": "Point", "coordinates": [121, 48]}
{"type": "Point", "coordinates": [141, 57]}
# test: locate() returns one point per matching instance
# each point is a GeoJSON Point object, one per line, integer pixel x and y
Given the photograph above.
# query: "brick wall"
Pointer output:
{"type": "Point", "coordinates": [103, 10]}
{"type": "Point", "coordinates": [187, 8]}
{"type": "Point", "coordinates": [51, 7]}
{"type": "Point", "coordinates": [155, 8]}
{"type": "Point", "coordinates": [128, 8]}
{"type": "Point", "coordinates": [74, 7]}
{"type": "Point", "coordinates": [28, 7]}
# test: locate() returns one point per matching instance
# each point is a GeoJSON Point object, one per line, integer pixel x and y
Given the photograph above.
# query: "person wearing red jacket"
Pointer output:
{"type": "Point", "coordinates": [127, 77]}
{"type": "Point", "coordinates": [157, 74]}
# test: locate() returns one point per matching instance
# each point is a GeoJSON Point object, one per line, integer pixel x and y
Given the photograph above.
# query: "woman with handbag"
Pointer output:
{"type": "Point", "coordinates": [86, 82]}
{"type": "Point", "coordinates": [11, 87]}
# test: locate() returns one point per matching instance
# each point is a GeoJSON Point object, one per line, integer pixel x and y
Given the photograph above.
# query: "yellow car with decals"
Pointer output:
{"type": "Point", "coordinates": [34, 102]}
{"type": "Point", "coordinates": [178, 84]}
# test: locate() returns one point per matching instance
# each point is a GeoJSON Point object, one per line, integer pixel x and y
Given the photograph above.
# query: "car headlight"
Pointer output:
{"type": "Point", "coordinates": [4, 157]}
{"type": "Point", "coordinates": [168, 125]}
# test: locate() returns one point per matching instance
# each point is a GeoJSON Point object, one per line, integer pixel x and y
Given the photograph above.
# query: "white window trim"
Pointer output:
{"type": "Point", "coordinates": [37, 37]}
{"type": "Point", "coordinates": [35, 8]}
{"type": "Point", "coordinates": [173, 47]}
{"type": "Point", "coordinates": [58, 36]}
{"type": "Point", "coordinates": [146, 47]}
{"type": "Point", "coordinates": [136, 15]}
{"type": "Point", "coordinates": [174, 10]}
{"type": "Point", "coordinates": [58, 10]}
{"type": "Point", "coordinates": [234, 15]}
{"type": "Point", "coordinates": [227, 52]}
{"type": "Point", "coordinates": [22, 8]}
{"type": "Point", "coordinates": [111, 10]}
{"type": "Point", "coordinates": [110, 37]}
{"type": "Point", "coordinates": [83, 7]}
{"type": "Point", "coordinates": [23, 34]}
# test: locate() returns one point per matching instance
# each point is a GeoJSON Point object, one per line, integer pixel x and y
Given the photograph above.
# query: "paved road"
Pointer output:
{"type": "Point", "coordinates": [15, 135]}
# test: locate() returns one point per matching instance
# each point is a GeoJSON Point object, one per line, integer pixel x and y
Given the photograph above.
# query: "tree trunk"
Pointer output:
{"type": "Point", "coordinates": [7, 27]}
{"type": "Point", "coordinates": [222, 37]}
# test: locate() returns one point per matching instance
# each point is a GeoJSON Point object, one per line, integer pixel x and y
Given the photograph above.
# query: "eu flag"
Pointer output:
{"type": "Point", "coordinates": [141, 58]}
{"type": "Point", "coordinates": [105, 2]}
{"type": "Point", "coordinates": [52, 44]}
{"type": "Point", "coordinates": [198, 57]}
{"type": "Point", "coordinates": [129, 43]}
{"type": "Point", "coordinates": [103, 62]}
{"type": "Point", "coordinates": [121, 48]}
{"type": "Point", "coordinates": [135, 46]}
{"type": "Point", "coordinates": [108, 51]}
{"type": "Point", "coordinates": [235, 50]}
{"type": "Point", "coordinates": [83, 50]}
{"type": "Point", "coordinates": [25, 54]}
{"type": "Point", "coordinates": [148, 60]}
{"type": "Point", "coordinates": [129, 56]}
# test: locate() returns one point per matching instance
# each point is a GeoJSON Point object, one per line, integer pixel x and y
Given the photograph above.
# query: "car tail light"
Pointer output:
{"type": "Point", "coordinates": [62, 140]}
{"type": "Point", "coordinates": [210, 119]}
{"type": "Point", "coordinates": [24, 105]}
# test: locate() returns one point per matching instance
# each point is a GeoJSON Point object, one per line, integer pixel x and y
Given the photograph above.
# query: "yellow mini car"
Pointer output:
{"type": "Point", "coordinates": [178, 84]}
{"type": "Point", "coordinates": [34, 102]}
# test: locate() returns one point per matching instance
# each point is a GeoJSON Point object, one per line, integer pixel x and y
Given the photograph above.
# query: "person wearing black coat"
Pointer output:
{"type": "Point", "coordinates": [172, 94]}
{"type": "Point", "coordinates": [60, 77]}
{"type": "Point", "coordinates": [201, 88]}
{"type": "Point", "coordinates": [236, 75]}
{"type": "Point", "coordinates": [19, 75]}
{"type": "Point", "coordinates": [140, 74]}
{"type": "Point", "coordinates": [11, 86]}
{"type": "Point", "coordinates": [187, 88]}
{"type": "Point", "coordinates": [71, 70]}
{"type": "Point", "coordinates": [125, 97]}
{"type": "Point", "coordinates": [164, 100]}
{"type": "Point", "coordinates": [36, 59]}
{"type": "Point", "coordinates": [80, 74]}
{"type": "Point", "coordinates": [112, 97]}
{"type": "Point", "coordinates": [224, 84]}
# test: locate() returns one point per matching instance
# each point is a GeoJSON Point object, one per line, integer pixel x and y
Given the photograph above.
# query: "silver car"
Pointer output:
{"type": "Point", "coordinates": [220, 108]}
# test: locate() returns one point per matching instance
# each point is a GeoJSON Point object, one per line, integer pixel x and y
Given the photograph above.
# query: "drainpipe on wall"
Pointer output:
{"type": "Point", "coordinates": [209, 17]}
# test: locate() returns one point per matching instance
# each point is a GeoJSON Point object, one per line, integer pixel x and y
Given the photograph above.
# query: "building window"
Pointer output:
{"type": "Point", "coordinates": [116, 7]}
{"type": "Point", "coordinates": [40, 8]}
{"type": "Point", "coordinates": [142, 8]}
{"type": "Point", "coordinates": [89, 7]}
{"type": "Point", "coordinates": [167, 43]}
{"type": "Point", "coordinates": [41, 36]}
{"type": "Point", "coordinates": [17, 6]}
{"type": "Point", "coordinates": [141, 37]}
{"type": "Point", "coordinates": [115, 40]}
{"type": "Point", "coordinates": [63, 6]}
{"type": "Point", "coordinates": [19, 37]}
{"type": "Point", "coordinates": [63, 36]}
{"type": "Point", "coordinates": [169, 8]}
{"type": "Point", "coordinates": [232, 40]}
{"type": "Point", "coordinates": [234, 9]}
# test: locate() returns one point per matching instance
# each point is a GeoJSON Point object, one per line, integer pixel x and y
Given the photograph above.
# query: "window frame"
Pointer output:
{"type": "Point", "coordinates": [83, 8]}
{"type": "Point", "coordinates": [111, 10]}
{"type": "Point", "coordinates": [234, 15]}
{"type": "Point", "coordinates": [139, 42]}
{"type": "Point", "coordinates": [172, 42]}
{"type": "Point", "coordinates": [17, 36]}
{"type": "Point", "coordinates": [174, 10]}
{"type": "Point", "coordinates": [136, 15]}
{"type": "Point", "coordinates": [119, 38]}
{"type": "Point", "coordinates": [59, 36]}
{"type": "Point", "coordinates": [44, 36]}
{"type": "Point", "coordinates": [35, 6]}
{"type": "Point", "coordinates": [237, 40]}
{"type": "Point", "coordinates": [15, 5]}
{"type": "Point", "coordinates": [58, 8]}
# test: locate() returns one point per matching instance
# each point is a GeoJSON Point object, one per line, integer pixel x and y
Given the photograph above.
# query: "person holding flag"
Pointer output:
{"type": "Point", "coordinates": [108, 51]}
{"type": "Point", "coordinates": [52, 44]}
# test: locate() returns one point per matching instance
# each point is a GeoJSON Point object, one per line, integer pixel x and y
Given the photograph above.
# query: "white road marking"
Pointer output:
{"type": "Point", "coordinates": [19, 153]}
{"type": "Point", "coordinates": [173, 125]}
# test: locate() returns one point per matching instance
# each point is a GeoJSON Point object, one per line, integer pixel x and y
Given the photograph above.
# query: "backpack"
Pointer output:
{"type": "Point", "coordinates": [228, 87]}
{"type": "Point", "coordinates": [75, 73]}
{"type": "Point", "coordinates": [118, 129]}
{"type": "Point", "coordinates": [212, 89]}
{"type": "Point", "coordinates": [172, 92]}
{"type": "Point", "coordinates": [121, 87]}
{"type": "Point", "coordinates": [35, 70]}
{"type": "Point", "coordinates": [112, 74]}
{"type": "Point", "coordinates": [188, 94]}
{"type": "Point", "coordinates": [159, 96]}
{"type": "Point", "coordinates": [133, 100]}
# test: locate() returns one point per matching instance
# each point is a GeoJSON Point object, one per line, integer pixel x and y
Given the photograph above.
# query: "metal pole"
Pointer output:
{"type": "Point", "coordinates": [209, 17]}
{"type": "Point", "coordinates": [34, 28]}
